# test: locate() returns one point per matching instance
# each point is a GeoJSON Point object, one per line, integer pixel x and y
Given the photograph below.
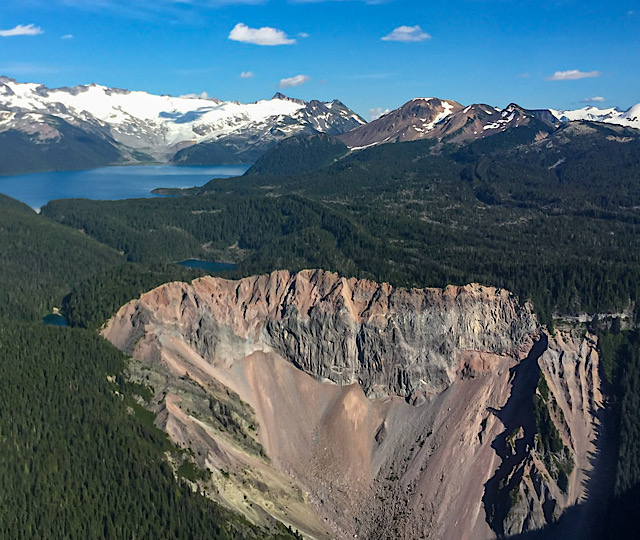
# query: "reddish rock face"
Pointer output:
{"type": "Point", "coordinates": [442, 120]}
{"type": "Point", "coordinates": [391, 341]}
{"type": "Point", "coordinates": [347, 407]}
{"type": "Point", "coordinates": [413, 121]}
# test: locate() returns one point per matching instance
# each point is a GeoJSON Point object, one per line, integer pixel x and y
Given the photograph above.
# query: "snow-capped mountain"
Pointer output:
{"type": "Point", "coordinates": [151, 127]}
{"type": "Point", "coordinates": [628, 118]}
{"type": "Point", "coordinates": [444, 120]}
{"type": "Point", "coordinates": [414, 120]}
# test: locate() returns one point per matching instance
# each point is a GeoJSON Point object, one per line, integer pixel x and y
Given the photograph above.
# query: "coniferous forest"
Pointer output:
{"type": "Point", "coordinates": [78, 454]}
{"type": "Point", "coordinates": [78, 459]}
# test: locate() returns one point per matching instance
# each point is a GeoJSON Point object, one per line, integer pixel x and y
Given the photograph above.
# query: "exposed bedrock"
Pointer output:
{"type": "Point", "coordinates": [345, 407]}
{"type": "Point", "coordinates": [390, 341]}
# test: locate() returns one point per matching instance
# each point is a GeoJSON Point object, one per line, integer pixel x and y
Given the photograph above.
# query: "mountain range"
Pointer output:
{"type": "Point", "coordinates": [450, 122]}
{"type": "Point", "coordinates": [89, 126]}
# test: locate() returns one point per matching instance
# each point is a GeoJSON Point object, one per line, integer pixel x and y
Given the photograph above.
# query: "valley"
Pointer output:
{"type": "Point", "coordinates": [416, 334]}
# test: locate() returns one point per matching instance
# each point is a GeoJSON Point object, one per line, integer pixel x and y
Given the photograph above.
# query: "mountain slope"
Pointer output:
{"type": "Point", "coordinates": [297, 155]}
{"type": "Point", "coordinates": [83, 458]}
{"type": "Point", "coordinates": [40, 260]}
{"type": "Point", "coordinates": [371, 398]}
{"type": "Point", "coordinates": [414, 120]}
{"type": "Point", "coordinates": [138, 126]}
{"type": "Point", "coordinates": [445, 121]}
{"type": "Point", "coordinates": [42, 142]}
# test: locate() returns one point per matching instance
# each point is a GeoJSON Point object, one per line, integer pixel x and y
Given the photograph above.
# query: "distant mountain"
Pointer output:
{"type": "Point", "coordinates": [120, 126]}
{"type": "Point", "coordinates": [42, 142]}
{"type": "Point", "coordinates": [414, 120]}
{"type": "Point", "coordinates": [247, 143]}
{"type": "Point", "coordinates": [628, 118]}
{"type": "Point", "coordinates": [443, 120]}
{"type": "Point", "coordinates": [91, 126]}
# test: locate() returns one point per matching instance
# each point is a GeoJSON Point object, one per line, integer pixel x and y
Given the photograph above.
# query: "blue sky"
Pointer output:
{"type": "Point", "coordinates": [372, 55]}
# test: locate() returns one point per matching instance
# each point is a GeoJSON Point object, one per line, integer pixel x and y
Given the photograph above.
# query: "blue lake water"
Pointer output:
{"type": "Point", "coordinates": [110, 183]}
{"type": "Point", "coordinates": [209, 266]}
{"type": "Point", "coordinates": [54, 319]}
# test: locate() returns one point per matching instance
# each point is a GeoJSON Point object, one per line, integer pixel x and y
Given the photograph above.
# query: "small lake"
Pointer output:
{"type": "Point", "coordinates": [54, 319]}
{"type": "Point", "coordinates": [209, 266]}
{"type": "Point", "coordinates": [110, 183]}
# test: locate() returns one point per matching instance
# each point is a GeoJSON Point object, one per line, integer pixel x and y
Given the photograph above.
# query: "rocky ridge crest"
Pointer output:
{"type": "Point", "coordinates": [392, 341]}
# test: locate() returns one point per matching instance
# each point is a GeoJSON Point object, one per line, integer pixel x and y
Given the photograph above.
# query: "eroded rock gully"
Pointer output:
{"type": "Point", "coordinates": [344, 407]}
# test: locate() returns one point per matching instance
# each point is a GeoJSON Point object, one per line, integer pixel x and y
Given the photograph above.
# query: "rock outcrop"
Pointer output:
{"type": "Point", "coordinates": [390, 341]}
{"type": "Point", "coordinates": [345, 407]}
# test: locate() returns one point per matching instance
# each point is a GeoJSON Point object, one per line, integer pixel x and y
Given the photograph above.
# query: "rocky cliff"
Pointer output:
{"type": "Point", "coordinates": [346, 407]}
{"type": "Point", "coordinates": [390, 341]}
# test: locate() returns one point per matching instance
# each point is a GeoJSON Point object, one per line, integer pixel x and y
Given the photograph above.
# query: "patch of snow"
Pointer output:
{"type": "Point", "coordinates": [611, 115]}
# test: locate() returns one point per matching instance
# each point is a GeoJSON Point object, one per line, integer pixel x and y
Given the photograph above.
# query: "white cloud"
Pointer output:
{"type": "Point", "coordinates": [22, 30]}
{"type": "Point", "coordinates": [294, 81]}
{"type": "Point", "coordinates": [246, 75]}
{"type": "Point", "coordinates": [303, 35]}
{"type": "Point", "coordinates": [28, 69]}
{"type": "Point", "coordinates": [201, 95]}
{"type": "Point", "coordinates": [377, 112]}
{"type": "Point", "coordinates": [260, 36]}
{"type": "Point", "coordinates": [67, 36]}
{"type": "Point", "coordinates": [572, 75]}
{"type": "Point", "coordinates": [595, 99]}
{"type": "Point", "coordinates": [407, 34]}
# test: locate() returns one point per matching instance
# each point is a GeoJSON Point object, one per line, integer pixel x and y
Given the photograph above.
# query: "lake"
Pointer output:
{"type": "Point", "coordinates": [110, 183]}
{"type": "Point", "coordinates": [54, 319]}
{"type": "Point", "coordinates": [209, 266]}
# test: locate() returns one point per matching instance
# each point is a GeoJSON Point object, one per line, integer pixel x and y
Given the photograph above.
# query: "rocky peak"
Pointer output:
{"type": "Point", "coordinates": [283, 97]}
{"type": "Point", "coordinates": [413, 121]}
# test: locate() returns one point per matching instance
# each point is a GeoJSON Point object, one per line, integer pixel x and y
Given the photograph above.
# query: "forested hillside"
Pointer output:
{"type": "Point", "coordinates": [621, 353]}
{"type": "Point", "coordinates": [72, 148]}
{"type": "Point", "coordinates": [40, 260]}
{"type": "Point", "coordinates": [553, 220]}
{"type": "Point", "coordinates": [79, 456]}
{"type": "Point", "coordinates": [297, 155]}
{"type": "Point", "coordinates": [565, 237]}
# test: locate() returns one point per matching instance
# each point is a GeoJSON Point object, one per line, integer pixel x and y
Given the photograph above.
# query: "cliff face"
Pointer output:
{"type": "Point", "coordinates": [390, 341]}
{"type": "Point", "coordinates": [345, 407]}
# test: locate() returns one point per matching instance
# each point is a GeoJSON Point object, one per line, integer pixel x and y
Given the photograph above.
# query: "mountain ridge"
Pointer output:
{"type": "Point", "coordinates": [144, 127]}
{"type": "Point", "coordinates": [92, 125]}
{"type": "Point", "coordinates": [450, 122]}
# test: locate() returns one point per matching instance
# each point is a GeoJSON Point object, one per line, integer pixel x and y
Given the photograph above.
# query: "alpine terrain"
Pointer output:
{"type": "Point", "coordinates": [430, 329]}
{"type": "Point", "coordinates": [89, 126]}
